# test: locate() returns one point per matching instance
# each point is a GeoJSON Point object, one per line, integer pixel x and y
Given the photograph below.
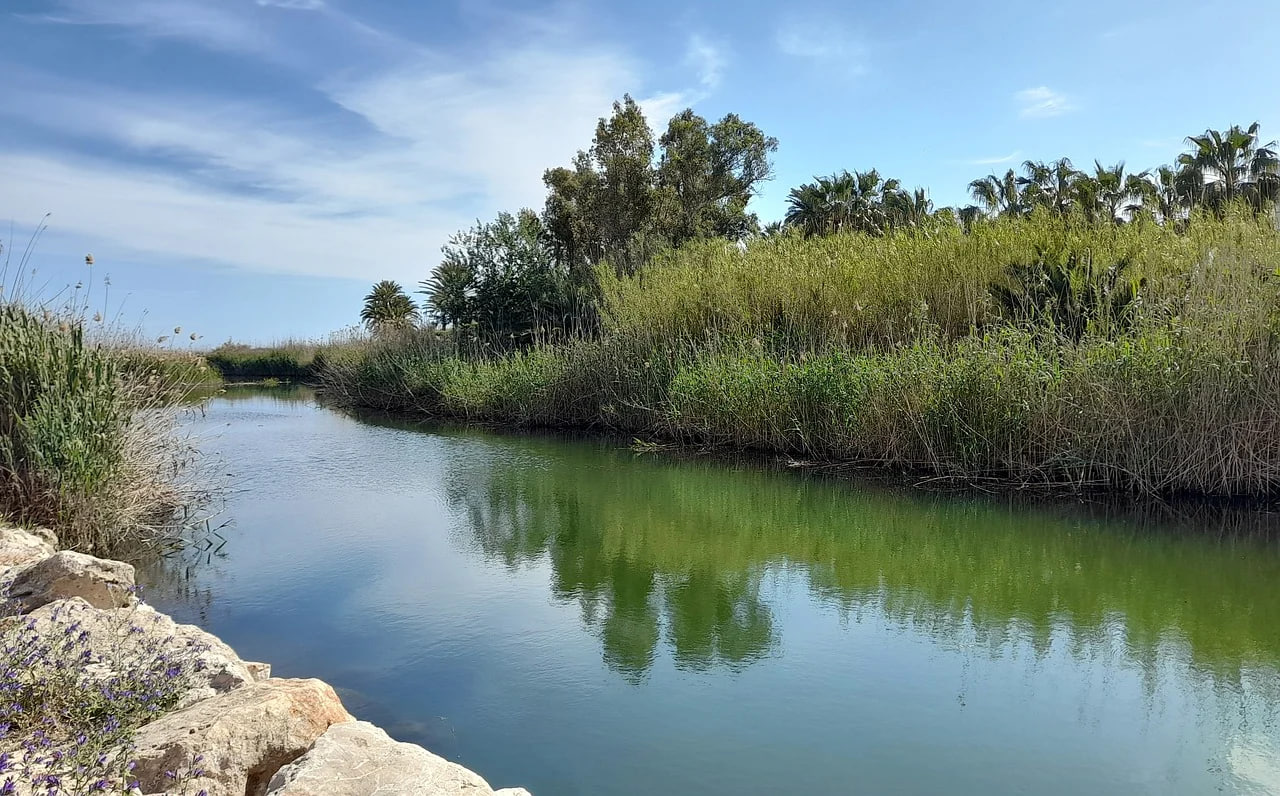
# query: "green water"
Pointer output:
{"type": "Point", "coordinates": [576, 619]}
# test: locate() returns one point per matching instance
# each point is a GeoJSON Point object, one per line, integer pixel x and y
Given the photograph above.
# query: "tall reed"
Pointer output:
{"type": "Point", "coordinates": [892, 351]}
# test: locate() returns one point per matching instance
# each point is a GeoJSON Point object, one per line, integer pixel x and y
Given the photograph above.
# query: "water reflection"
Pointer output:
{"type": "Point", "coordinates": [566, 616]}
{"type": "Point", "coordinates": [654, 551]}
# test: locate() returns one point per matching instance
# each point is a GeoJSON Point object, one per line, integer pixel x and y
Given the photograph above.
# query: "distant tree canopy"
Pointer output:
{"type": "Point", "coordinates": [1220, 167]}
{"type": "Point", "coordinates": [625, 198]}
{"type": "Point", "coordinates": [631, 195]}
{"type": "Point", "coordinates": [617, 204]}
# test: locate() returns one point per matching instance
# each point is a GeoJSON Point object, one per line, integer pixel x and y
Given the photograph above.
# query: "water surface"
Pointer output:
{"type": "Point", "coordinates": [576, 619]}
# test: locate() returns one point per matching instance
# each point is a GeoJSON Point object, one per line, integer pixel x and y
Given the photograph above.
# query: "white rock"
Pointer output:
{"type": "Point", "coordinates": [101, 583]}
{"type": "Point", "coordinates": [19, 547]}
{"type": "Point", "coordinates": [260, 671]}
{"type": "Point", "coordinates": [126, 638]}
{"type": "Point", "coordinates": [242, 737]}
{"type": "Point", "coordinates": [359, 759]}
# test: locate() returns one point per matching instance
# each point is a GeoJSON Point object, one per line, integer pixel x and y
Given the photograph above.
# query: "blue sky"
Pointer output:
{"type": "Point", "coordinates": [246, 168]}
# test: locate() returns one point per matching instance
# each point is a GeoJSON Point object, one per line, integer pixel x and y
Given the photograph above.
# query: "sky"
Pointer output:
{"type": "Point", "coordinates": [248, 168]}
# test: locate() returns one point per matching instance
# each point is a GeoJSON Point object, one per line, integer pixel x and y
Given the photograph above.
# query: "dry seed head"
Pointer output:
{"type": "Point", "coordinates": [177, 330]}
{"type": "Point", "coordinates": [88, 259]}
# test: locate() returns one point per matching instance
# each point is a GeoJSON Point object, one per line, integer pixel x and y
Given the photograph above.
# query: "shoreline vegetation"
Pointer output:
{"type": "Point", "coordinates": [1076, 330]}
{"type": "Point", "coordinates": [90, 428]}
{"type": "Point", "coordinates": [788, 348]}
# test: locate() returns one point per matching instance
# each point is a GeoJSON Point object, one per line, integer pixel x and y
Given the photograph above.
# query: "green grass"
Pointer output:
{"type": "Point", "coordinates": [287, 361]}
{"type": "Point", "coordinates": [87, 431]}
{"type": "Point", "coordinates": [893, 351]}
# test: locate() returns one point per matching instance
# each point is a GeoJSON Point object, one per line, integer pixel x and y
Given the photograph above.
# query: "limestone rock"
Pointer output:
{"type": "Point", "coordinates": [236, 740]}
{"type": "Point", "coordinates": [260, 671]}
{"type": "Point", "coordinates": [101, 583]}
{"type": "Point", "coordinates": [358, 759]}
{"type": "Point", "coordinates": [19, 547]}
{"type": "Point", "coordinates": [122, 639]}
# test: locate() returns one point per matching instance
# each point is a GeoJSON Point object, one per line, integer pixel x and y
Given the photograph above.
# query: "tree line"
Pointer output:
{"type": "Point", "coordinates": [531, 274]}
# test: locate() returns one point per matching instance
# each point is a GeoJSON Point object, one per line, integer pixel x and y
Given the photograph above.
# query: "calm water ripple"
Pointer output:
{"type": "Point", "coordinates": [566, 616]}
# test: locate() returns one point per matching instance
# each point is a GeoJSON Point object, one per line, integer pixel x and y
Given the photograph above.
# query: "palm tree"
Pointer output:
{"type": "Point", "coordinates": [908, 209]}
{"type": "Point", "coordinates": [999, 195]}
{"type": "Point", "coordinates": [387, 305]}
{"type": "Point", "coordinates": [844, 202]}
{"type": "Point", "coordinates": [968, 216]}
{"type": "Point", "coordinates": [1108, 194]}
{"type": "Point", "coordinates": [449, 289]}
{"type": "Point", "coordinates": [808, 209]}
{"type": "Point", "coordinates": [1050, 185]}
{"type": "Point", "coordinates": [1233, 165]}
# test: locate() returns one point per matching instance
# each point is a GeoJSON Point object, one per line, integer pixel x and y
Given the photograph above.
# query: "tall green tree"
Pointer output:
{"type": "Point", "coordinates": [706, 176]}
{"type": "Point", "coordinates": [1107, 194]}
{"type": "Point", "coordinates": [1168, 193]}
{"type": "Point", "coordinates": [1050, 185]}
{"type": "Point", "coordinates": [601, 208]}
{"type": "Point", "coordinates": [450, 289]}
{"type": "Point", "coordinates": [387, 305]}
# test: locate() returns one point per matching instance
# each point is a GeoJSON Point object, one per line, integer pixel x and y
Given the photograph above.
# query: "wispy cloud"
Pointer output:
{"type": "Point", "coordinates": [823, 40]}
{"type": "Point", "coordinates": [995, 161]}
{"type": "Point", "coordinates": [401, 152]}
{"type": "Point", "coordinates": [707, 60]}
{"type": "Point", "coordinates": [295, 5]}
{"type": "Point", "coordinates": [1042, 102]}
{"type": "Point", "coordinates": [190, 20]}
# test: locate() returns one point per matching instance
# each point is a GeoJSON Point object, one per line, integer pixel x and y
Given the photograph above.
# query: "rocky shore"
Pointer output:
{"type": "Point", "coordinates": [228, 728]}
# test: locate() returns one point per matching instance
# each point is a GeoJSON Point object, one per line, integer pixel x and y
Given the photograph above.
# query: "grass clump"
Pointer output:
{"type": "Point", "coordinates": [88, 432]}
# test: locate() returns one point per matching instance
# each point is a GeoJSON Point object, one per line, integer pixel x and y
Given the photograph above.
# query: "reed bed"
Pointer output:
{"type": "Point", "coordinates": [894, 351]}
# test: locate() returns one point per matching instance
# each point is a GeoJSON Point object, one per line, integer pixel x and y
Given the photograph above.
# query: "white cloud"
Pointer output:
{"type": "Point", "coordinates": [1042, 102]}
{"type": "Point", "coordinates": [294, 5]}
{"type": "Point", "coordinates": [190, 20]}
{"type": "Point", "coordinates": [708, 60]}
{"type": "Point", "coordinates": [411, 145]}
{"type": "Point", "coordinates": [121, 211]}
{"type": "Point", "coordinates": [823, 40]}
{"type": "Point", "coordinates": [405, 157]}
{"type": "Point", "coordinates": [996, 160]}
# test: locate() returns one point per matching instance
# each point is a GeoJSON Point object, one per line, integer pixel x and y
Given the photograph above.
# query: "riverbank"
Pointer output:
{"type": "Point", "coordinates": [107, 695]}
{"type": "Point", "coordinates": [1042, 352]}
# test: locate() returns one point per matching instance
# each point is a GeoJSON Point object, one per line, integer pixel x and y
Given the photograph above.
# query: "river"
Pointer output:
{"type": "Point", "coordinates": [575, 618]}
